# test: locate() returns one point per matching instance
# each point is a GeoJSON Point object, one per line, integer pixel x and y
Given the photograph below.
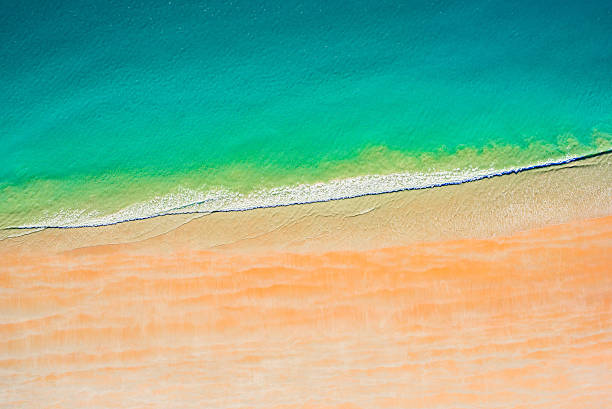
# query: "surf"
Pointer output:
{"type": "Point", "coordinates": [187, 202]}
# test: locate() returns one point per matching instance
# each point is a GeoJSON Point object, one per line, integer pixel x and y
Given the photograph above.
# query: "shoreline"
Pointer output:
{"type": "Point", "coordinates": [489, 207]}
{"type": "Point", "coordinates": [173, 211]}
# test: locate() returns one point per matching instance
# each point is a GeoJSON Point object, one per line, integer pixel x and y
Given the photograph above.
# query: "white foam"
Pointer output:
{"type": "Point", "coordinates": [215, 200]}
{"type": "Point", "coordinates": [219, 200]}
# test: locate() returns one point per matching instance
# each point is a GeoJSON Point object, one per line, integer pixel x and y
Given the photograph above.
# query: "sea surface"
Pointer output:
{"type": "Point", "coordinates": [118, 110]}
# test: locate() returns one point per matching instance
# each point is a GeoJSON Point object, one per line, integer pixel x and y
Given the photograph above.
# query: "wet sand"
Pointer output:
{"type": "Point", "coordinates": [491, 294]}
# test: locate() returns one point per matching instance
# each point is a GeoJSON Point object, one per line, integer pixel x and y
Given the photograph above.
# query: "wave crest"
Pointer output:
{"type": "Point", "coordinates": [189, 201]}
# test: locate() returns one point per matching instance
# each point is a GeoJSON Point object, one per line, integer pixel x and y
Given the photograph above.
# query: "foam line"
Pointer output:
{"type": "Point", "coordinates": [175, 211]}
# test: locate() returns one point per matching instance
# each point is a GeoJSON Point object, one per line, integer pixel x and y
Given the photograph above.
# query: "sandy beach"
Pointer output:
{"type": "Point", "coordinates": [495, 293]}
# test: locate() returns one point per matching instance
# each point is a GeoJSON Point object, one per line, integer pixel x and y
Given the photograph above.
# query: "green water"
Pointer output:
{"type": "Point", "coordinates": [109, 104]}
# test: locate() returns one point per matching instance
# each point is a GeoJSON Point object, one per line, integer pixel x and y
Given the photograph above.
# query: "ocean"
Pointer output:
{"type": "Point", "coordinates": [111, 111]}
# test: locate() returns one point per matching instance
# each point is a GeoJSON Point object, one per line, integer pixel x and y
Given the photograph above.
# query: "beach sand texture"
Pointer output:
{"type": "Point", "coordinates": [498, 293]}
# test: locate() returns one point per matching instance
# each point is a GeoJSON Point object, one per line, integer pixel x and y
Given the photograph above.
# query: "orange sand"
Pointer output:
{"type": "Point", "coordinates": [521, 321]}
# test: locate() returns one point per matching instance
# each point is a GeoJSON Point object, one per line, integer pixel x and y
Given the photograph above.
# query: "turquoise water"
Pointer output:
{"type": "Point", "coordinates": [153, 105]}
